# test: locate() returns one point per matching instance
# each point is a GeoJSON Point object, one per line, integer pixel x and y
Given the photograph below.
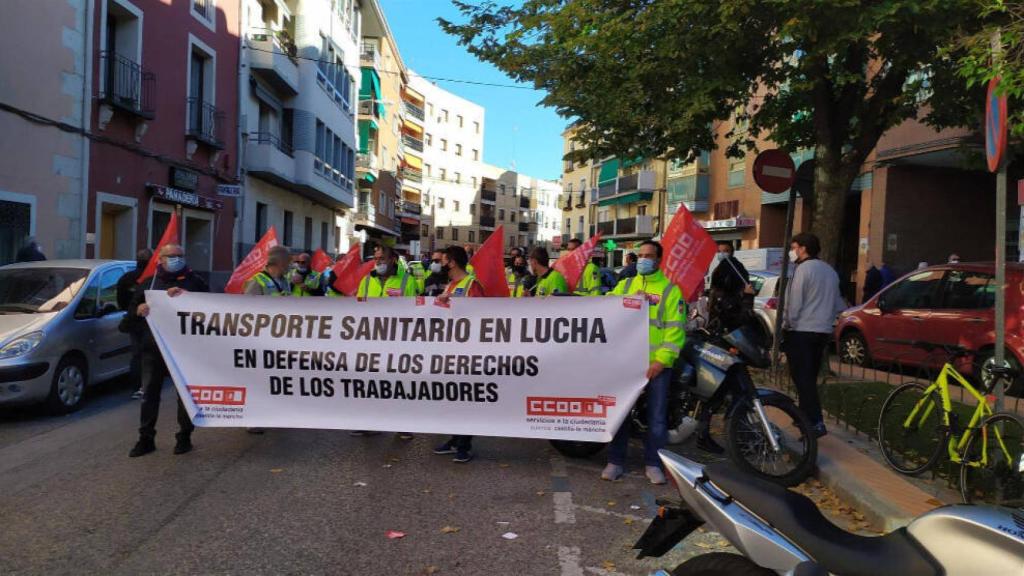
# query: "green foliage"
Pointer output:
{"type": "Point", "coordinates": [978, 64]}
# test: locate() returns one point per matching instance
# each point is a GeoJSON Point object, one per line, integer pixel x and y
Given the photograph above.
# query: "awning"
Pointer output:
{"type": "Point", "coordinates": [368, 176]}
{"type": "Point", "coordinates": [365, 127]}
{"type": "Point", "coordinates": [629, 163]}
{"type": "Point", "coordinates": [375, 230]}
{"type": "Point", "coordinates": [638, 196]}
{"type": "Point", "coordinates": [609, 171]}
{"type": "Point", "coordinates": [414, 162]}
{"type": "Point", "coordinates": [370, 89]}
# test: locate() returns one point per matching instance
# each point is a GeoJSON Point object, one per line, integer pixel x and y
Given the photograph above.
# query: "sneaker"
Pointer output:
{"type": "Point", "coordinates": [819, 430]}
{"type": "Point", "coordinates": [462, 456]}
{"type": "Point", "coordinates": [137, 395]}
{"type": "Point", "coordinates": [183, 445]}
{"type": "Point", "coordinates": [142, 447]}
{"type": "Point", "coordinates": [405, 435]}
{"type": "Point", "coordinates": [655, 474]}
{"type": "Point", "coordinates": [445, 448]}
{"type": "Point", "coordinates": [612, 472]}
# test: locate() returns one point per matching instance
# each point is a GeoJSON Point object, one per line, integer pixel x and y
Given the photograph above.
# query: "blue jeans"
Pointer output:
{"type": "Point", "coordinates": [657, 424]}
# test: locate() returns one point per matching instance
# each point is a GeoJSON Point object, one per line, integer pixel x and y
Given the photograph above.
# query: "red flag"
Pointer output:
{"type": "Point", "coordinates": [320, 261]}
{"type": "Point", "coordinates": [489, 265]}
{"type": "Point", "coordinates": [170, 237]}
{"type": "Point", "coordinates": [350, 271]}
{"type": "Point", "coordinates": [253, 262]}
{"type": "Point", "coordinates": [572, 264]}
{"type": "Point", "coordinates": [688, 250]}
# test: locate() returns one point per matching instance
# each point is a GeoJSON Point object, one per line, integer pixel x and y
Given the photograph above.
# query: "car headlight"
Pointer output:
{"type": "Point", "coordinates": [21, 345]}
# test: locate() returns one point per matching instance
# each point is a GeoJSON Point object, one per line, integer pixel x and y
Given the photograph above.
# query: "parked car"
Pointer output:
{"type": "Point", "coordinates": [59, 330]}
{"type": "Point", "coordinates": [766, 299]}
{"type": "Point", "coordinates": [950, 304]}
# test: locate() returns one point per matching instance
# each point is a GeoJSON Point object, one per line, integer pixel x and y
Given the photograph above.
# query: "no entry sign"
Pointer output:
{"type": "Point", "coordinates": [774, 171]}
{"type": "Point", "coordinates": [995, 126]}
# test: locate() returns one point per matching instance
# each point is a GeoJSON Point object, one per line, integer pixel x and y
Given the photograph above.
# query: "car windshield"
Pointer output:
{"type": "Point", "coordinates": [37, 290]}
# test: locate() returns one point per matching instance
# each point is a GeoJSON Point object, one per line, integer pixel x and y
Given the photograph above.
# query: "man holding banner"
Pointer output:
{"type": "Point", "coordinates": [667, 316]}
{"type": "Point", "coordinates": [388, 279]}
{"type": "Point", "coordinates": [271, 281]}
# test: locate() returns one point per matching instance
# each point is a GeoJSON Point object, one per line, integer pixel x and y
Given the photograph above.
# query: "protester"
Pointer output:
{"type": "Point", "coordinates": [731, 299]}
{"type": "Point", "coordinates": [174, 276]}
{"type": "Point", "coordinates": [589, 283]}
{"type": "Point", "coordinates": [522, 282]}
{"type": "Point", "coordinates": [510, 270]}
{"type": "Point", "coordinates": [438, 278]}
{"type": "Point", "coordinates": [272, 280]}
{"type": "Point", "coordinates": [872, 282]}
{"type": "Point", "coordinates": [127, 284]}
{"type": "Point", "coordinates": [629, 270]}
{"type": "Point", "coordinates": [30, 252]}
{"type": "Point", "coordinates": [667, 310]}
{"type": "Point", "coordinates": [954, 258]}
{"type": "Point", "coordinates": [812, 304]}
{"type": "Point", "coordinates": [388, 279]}
{"type": "Point", "coordinates": [548, 280]}
{"type": "Point", "coordinates": [888, 276]}
{"type": "Point", "coordinates": [303, 280]}
{"type": "Point", "coordinates": [461, 284]}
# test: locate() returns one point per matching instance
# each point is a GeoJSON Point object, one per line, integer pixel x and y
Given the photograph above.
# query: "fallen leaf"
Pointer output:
{"type": "Point", "coordinates": [510, 535]}
{"type": "Point", "coordinates": [276, 470]}
{"type": "Point", "coordinates": [608, 565]}
{"type": "Point", "coordinates": [503, 465]}
{"type": "Point", "coordinates": [394, 534]}
{"type": "Point", "coordinates": [431, 570]}
{"type": "Point", "coordinates": [541, 492]}
{"type": "Point", "coordinates": [628, 521]}
{"type": "Point", "coordinates": [449, 530]}
{"type": "Point", "coordinates": [704, 545]}
{"type": "Point", "coordinates": [393, 460]}
{"type": "Point", "coordinates": [611, 503]}
{"type": "Point", "coordinates": [426, 490]}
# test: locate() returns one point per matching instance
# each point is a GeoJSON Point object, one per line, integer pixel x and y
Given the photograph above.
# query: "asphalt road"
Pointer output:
{"type": "Point", "coordinates": [306, 502]}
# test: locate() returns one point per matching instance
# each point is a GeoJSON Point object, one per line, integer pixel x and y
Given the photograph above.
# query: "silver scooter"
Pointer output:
{"type": "Point", "coordinates": [782, 532]}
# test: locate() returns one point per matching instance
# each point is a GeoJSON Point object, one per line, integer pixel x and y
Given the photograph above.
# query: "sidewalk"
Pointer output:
{"type": "Point", "coordinates": [886, 498]}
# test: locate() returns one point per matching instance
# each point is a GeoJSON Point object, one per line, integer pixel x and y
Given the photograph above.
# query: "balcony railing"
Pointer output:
{"type": "Point", "coordinates": [606, 228]}
{"type": "Point", "coordinates": [281, 38]}
{"type": "Point", "coordinates": [266, 138]}
{"type": "Point", "coordinates": [412, 142]}
{"type": "Point", "coordinates": [643, 181]}
{"type": "Point", "coordinates": [369, 55]}
{"type": "Point", "coordinates": [414, 111]}
{"type": "Point", "coordinates": [524, 201]}
{"type": "Point", "coordinates": [581, 202]}
{"type": "Point", "coordinates": [487, 221]}
{"type": "Point", "coordinates": [127, 85]}
{"type": "Point", "coordinates": [411, 175]}
{"type": "Point", "coordinates": [204, 122]}
{"type": "Point", "coordinates": [625, 226]}
{"type": "Point", "coordinates": [628, 182]}
{"type": "Point", "coordinates": [366, 161]}
{"type": "Point", "coordinates": [489, 184]}
{"type": "Point", "coordinates": [567, 205]}
{"type": "Point", "coordinates": [410, 207]}
{"type": "Point", "coordinates": [641, 225]}
{"type": "Point", "coordinates": [607, 190]}
{"type": "Point", "coordinates": [488, 195]}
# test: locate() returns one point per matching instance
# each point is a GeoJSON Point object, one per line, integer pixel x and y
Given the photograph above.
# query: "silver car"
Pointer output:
{"type": "Point", "coordinates": [59, 330]}
{"type": "Point", "coordinates": [766, 285]}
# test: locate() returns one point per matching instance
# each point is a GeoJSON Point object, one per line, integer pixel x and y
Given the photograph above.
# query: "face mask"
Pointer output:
{"type": "Point", "coordinates": [302, 269]}
{"type": "Point", "coordinates": [645, 266]}
{"type": "Point", "coordinates": [174, 264]}
{"type": "Point", "coordinates": [720, 257]}
{"type": "Point", "coordinates": [435, 267]}
{"type": "Point", "coordinates": [382, 269]}
{"type": "Point", "coordinates": [792, 255]}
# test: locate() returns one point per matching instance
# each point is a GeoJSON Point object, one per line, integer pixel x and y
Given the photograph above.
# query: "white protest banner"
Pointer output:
{"type": "Point", "coordinates": [557, 368]}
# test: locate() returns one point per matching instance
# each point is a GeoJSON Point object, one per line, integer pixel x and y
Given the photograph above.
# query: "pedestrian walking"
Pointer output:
{"type": "Point", "coordinates": [127, 284]}
{"type": "Point", "coordinates": [461, 284]}
{"type": "Point", "coordinates": [629, 270]}
{"type": "Point", "coordinates": [872, 282]}
{"type": "Point", "coordinates": [548, 281]}
{"type": "Point", "coordinates": [174, 276]}
{"type": "Point", "coordinates": [813, 302]}
{"type": "Point", "coordinates": [667, 317]}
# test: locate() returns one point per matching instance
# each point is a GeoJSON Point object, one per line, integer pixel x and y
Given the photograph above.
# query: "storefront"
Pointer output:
{"type": "Point", "coordinates": [200, 217]}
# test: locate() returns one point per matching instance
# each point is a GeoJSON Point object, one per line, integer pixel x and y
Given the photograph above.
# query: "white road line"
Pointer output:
{"type": "Point", "coordinates": [569, 561]}
{"type": "Point", "coordinates": [565, 513]}
{"type": "Point", "coordinates": [595, 510]}
{"type": "Point", "coordinates": [558, 466]}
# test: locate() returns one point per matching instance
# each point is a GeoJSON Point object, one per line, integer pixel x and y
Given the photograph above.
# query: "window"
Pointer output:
{"type": "Point", "coordinates": [425, 231]}
{"type": "Point", "coordinates": [502, 186]}
{"type": "Point", "coordinates": [726, 210]}
{"type": "Point", "coordinates": [99, 295]}
{"type": "Point", "coordinates": [582, 226]}
{"type": "Point", "coordinates": [440, 202]}
{"type": "Point", "coordinates": [205, 12]}
{"type": "Point", "coordinates": [444, 115]}
{"type": "Point", "coordinates": [472, 209]}
{"type": "Point", "coordinates": [319, 145]}
{"type": "Point", "coordinates": [476, 127]}
{"type": "Point", "coordinates": [968, 290]}
{"type": "Point", "coordinates": [287, 239]}
{"type": "Point", "coordinates": [440, 233]}
{"type": "Point", "coordinates": [261, 221]}
{"type": "Point", "coordinates": [737, 171]}
{"type": "Point", "coordinates": [458, 178]}
{"type": "Point", "coordinates": [472, 236]}
{"type": "Point", "coordinates": [458, 149]}
{"type": "Point", "coordinates": [641, 210]}
{"type": "Point", "coordinates": [202, 114]}
{"type": "Point", "coordinates": [474, 182]}
{"type": "Point", "coordinates": [337, 238]}
{"type": "Point", "coordinates": [919, 291]}
{"type": "Point", "coordinates": [427, 170]}
{"type": "Point", "coordinates": [476, 154]}
{"type": "Point", "coordinates": [428, 138]}
{"type": "Point", "coordinates": [121, 81]}
{"type": "Point", "coordinates": [455, 205]}
{"type": "Point", "coordinates": [501, 214]}
{"type": "Point", "coordinates": [512, 216]}
{"type": "Point", "coordinates": [460, 121]}
{"type": "Point", "coordinates": [568, 225]}
{"type": "Point", "coordinates": [455, 234]}
{"type": "Point", "coordinates": [444, 144]}
{"type": "Point", "coordinates": [568, 188]}
{"type": "Point", "coordinates": [444, 174]}
{"type": "Point", "coordinates": [430, 108]}
{"type": "Point", "coordinates": [307, 234]}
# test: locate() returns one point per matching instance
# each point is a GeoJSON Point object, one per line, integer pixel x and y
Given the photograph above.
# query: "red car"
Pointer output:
{"type": "Point", "coordinates": [952, 304]}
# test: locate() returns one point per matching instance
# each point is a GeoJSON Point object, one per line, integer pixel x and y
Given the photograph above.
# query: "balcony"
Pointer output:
{"type": "Point", "coordinates": [567, 205]}
{"type": "Point", "coordinates": [487, 221]}
{"type": "Point", "coordinates": [369, 109]}
{"type": "Point", "coordinates": [269, 158]}
{"type": "Point", "coordinates": [321, 182]}
{"type": "Point", "coordinates": [634, 226]}
{"type": "Point", "coordinates": [412, 142]}
{"type": "Point", "coordinates": [488, 196]}
{"type": "Point", "coordinates": [413, 110]}
{"type": "Point", "coordinates": [410, 208]}
{"type": "Point", "coordinates": [272, 57]}
{"type": "Point", "coordinates": [367, 161]}
{"type": "Point", "coordinates": [524, 202]}
{"type": "Point", "coordinates": [205, 122]}
{"type": "Point", "coordinates": [369, 55]}
{"type": "Point", "coordinates": [524, 227]}
{"type": "Point", "coordinates": [581, 202]}
{"type": "Point", "coordinates": [127, 86]}
{"type": "Point", "coordinates": [412, 176]}
{"type": "Point", "coordinates": [628, 189]}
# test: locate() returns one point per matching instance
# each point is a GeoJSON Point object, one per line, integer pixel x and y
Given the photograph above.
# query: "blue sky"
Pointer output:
{"type": "Point", "coordinates": [516, 129]}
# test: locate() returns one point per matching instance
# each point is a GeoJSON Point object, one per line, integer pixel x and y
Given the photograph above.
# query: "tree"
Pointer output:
{"type": "Point", "coordinates": [653, 77]}
{"type": "Point", "coordinates": [978, 64]}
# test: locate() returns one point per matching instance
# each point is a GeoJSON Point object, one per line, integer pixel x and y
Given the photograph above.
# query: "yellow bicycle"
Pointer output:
{"type": "Point", "coordinates": [916, 421]}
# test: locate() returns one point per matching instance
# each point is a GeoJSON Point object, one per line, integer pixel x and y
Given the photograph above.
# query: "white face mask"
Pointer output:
{"type": "Point", "coordinates": [792, 255]}
{"type": "Point", "coordinates": [174, 264]}
{"type": "Point", "coordinates": [720, 257]}
{"type": "Point", "coordinates": [381, 268]}
{"type": "Point", "coordinates": [435, 267]}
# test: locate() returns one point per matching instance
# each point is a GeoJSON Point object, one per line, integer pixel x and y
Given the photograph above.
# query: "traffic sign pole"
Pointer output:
{"type": "Point", "coordinates": [995, 147]}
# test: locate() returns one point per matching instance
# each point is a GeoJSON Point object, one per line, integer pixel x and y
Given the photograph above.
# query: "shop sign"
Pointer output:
{"type": "Point", "coordinates": [728, 224]}
{"type": "Point", "coordinates": [176, 196]}
{"type": "Point", "coordinates": [184, 179]}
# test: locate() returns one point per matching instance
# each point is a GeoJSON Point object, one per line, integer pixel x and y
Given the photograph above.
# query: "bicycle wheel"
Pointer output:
{"type": "Point", "coordinates": [910, 429]}
{"type": "Point", "coordinates": [992, 471]}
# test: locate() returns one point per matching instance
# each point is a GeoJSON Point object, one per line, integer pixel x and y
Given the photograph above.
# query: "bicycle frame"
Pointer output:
{"type": "Point", "coordinates": [957, 442]}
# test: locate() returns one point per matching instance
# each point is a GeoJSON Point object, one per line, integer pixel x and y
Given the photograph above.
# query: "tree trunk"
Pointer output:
{"type": "Point", "coordinates": [831, 181]}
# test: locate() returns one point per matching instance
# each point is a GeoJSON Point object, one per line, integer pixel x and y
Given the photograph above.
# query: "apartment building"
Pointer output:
{"type": "Point", "coordinates": [453, 169]}
{"type": "Point", "coordinates": [545, 217]}
{"type": "Point", "coordinates": [167, 109]}
{"type": "Point", "coordinates": [299, 85]}
{"type": "Point", "coordinates": [44, 171]}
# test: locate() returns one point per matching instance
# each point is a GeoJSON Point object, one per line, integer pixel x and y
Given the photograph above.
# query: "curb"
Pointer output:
{"type": "Point", "coordinates": [885, 498]}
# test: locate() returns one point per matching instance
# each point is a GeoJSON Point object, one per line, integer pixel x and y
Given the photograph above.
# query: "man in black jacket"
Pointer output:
{"type": "Point", "coordinates": [437, 281]}
{"type": "Point", "coordinates": [175, 277]}
{"type": "Point", "coordinates": [126, 287]}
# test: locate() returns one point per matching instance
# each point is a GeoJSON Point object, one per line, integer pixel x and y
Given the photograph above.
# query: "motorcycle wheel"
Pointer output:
{"type": "Point", "coordinates": [720, 564]}
{"type": "Point", "coordinates": [751, 451]}
{"type": "Point", "coordinates": [574, 449]}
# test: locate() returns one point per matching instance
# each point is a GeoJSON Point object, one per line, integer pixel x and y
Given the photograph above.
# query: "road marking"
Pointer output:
{"type": "Point", "coordinates": [561, 492]}
{"type": "Point", "coordinates": [569, 561]}
{"type": "Point", "coordinates": [595, 510]}
{"type": "Point", "coordinates": [558, 466]}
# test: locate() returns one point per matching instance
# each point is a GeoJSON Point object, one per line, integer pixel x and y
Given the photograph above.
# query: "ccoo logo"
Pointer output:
{"type": "Point", "coordinates": [219, 395]}
{"type": "Point", "coordinates": [579, 407]}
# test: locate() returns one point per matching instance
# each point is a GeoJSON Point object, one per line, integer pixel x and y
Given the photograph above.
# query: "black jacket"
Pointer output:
{"type": "Point", "coordinates": [186, 279]}
{"type": "Point", "coordinates": [728, 306]}
{"type": "Point", "coordinates": [435, 284]}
